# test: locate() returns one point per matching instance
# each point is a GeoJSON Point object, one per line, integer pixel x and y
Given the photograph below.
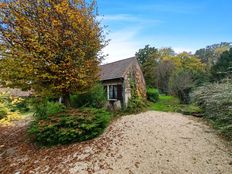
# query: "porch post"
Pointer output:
{"type": "Point", "coordinates": [108, 91]}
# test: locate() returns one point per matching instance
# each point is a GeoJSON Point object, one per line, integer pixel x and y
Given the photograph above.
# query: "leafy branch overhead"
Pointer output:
{"type": "Point", "coordinates": [51, 47]}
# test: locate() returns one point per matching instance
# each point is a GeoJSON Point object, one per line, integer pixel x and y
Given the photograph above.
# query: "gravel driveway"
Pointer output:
{"type": "Point", "coordinates": [147, 143]}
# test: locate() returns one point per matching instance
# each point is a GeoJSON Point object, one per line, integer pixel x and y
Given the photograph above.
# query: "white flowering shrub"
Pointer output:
{"type": "Point", "coordinates": [216, 101]}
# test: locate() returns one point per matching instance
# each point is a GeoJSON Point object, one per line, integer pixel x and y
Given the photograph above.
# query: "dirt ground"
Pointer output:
{"type": "Point", "coordinates": [147, 143]}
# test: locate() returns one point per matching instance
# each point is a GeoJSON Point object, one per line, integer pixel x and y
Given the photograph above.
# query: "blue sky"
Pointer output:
{"type": "Point", "coordinates": [181, 24]}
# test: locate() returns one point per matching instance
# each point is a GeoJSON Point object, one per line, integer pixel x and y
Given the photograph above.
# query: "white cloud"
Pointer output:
{"type": "Point", "coordinates": [123, 44]}
{"type": "Point", "coordinates": [119, 17]}
{"type": "Point", "coordinates": [128, 18]}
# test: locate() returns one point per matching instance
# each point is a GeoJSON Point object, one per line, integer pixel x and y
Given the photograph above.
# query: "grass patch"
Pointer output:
{"type": "Point", "coordinates": [165, 104]}
{"type": "Point", "coordinates": [172, 104]}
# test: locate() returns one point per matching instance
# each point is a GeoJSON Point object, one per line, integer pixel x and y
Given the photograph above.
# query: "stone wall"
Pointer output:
{"type": "Point", "coordinates": [127, 88]}
{"type": "Point", "coordinates": [140, 81]}
{"type": "Point", "coordinates": [135, 74]}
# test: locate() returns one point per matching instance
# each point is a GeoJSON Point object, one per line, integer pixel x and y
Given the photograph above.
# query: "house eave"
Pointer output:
{"type": "Point", "coordinates": [119, 78]}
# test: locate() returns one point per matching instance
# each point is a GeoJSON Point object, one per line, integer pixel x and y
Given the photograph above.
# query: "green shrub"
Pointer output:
{"type": "Point", "coordinates": [44, 108]}
{"type": "Point", "coordinates": [172, 104]}
{"type": "Point", "coordinates": [135, 105]}
{"type": "Point", "coordinates": [22, 106]}
{"type": "Point", "coordinates": [3, 111]}
{"type": "Point", "coordinates": [190, 109]}
{"type": "Point", "coordinates": [95, 98]}
{"type": "Point", "coordinates": [54, 107]}
{"type": "Point", "coordinates": [70, 126]}
{"type": "Point", "coordinates": [216, 101]}
{"type": "Point", "coordinates": [152, 94]}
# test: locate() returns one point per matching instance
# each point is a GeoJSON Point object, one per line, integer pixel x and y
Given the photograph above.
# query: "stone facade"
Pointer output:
{"type": "Point", "coordinates": [131, 75]}
{"type": "Point", "coordinates": [134, 75]}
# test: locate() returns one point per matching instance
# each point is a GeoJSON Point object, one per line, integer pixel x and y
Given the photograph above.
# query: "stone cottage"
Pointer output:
{"type": "Point", "coordinates": [118, 79]}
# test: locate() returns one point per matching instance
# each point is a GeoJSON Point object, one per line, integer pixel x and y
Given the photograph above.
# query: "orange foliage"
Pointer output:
{"type": "Point", "coordinates": [51, 47]}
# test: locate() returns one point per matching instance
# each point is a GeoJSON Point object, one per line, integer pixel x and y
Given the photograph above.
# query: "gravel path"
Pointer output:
{"type": "Point", "coordinates": [158, 142]}
{"type": "Point", "coordinates": [147, 143]}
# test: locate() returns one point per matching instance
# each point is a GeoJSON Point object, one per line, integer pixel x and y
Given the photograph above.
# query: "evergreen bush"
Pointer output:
{"type": "Point", "coordinates": [70, 126]}
{"type": "Point", "coordinates": [95, 97]}
{"type": "Point", "coordinates": [152, 94]}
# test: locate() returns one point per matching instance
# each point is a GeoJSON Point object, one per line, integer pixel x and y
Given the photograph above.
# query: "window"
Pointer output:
{"type": "Point", "coordinates": [113, 92]}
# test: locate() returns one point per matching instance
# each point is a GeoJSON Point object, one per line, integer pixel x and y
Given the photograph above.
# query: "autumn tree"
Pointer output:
{"type": "Point", "coordinates": [148, 58]}
{"type": "Point", "coordinates": [189, 62]}
{"type": "Point", "coordinates": [211, 54]}
{"type": "Point", "coordinates": [189, 72]}
{"type": "Point", "coordinates": [166, 51]}
{"type": "Point", "coordinates": [50, 46]}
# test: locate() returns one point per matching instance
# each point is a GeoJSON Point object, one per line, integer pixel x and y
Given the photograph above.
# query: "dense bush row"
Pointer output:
{"type": "Point", "coordinates": [71, 126]}
{"type": "Point", "coordinates": [95, 98]}
{"type": "Point", "coordinates": [216, 101]}
{"type": "Point", "coordinates": [45, 108]}
{"type": "Point", "coordinates": [152, 94]}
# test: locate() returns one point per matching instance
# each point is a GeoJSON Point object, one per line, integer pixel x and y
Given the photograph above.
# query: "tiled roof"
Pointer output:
{"type": "Point", "coordinates": [115, 70]}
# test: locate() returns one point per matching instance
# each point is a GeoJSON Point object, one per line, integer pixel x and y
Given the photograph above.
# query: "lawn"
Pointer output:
{"type": "Point", "coordinates": [172, 104]}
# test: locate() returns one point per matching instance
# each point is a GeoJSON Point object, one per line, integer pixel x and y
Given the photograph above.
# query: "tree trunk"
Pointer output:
{"type": "Point", "coordinates": [66, 100]}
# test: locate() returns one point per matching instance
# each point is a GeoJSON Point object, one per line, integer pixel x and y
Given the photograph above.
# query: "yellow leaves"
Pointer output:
{"type": "Point", "coordinates": [54, 49]}
{"type": "Point", "coordinates": [62, 6]}
{"type": "Point", "coordinates": [72, 16]}
{"type": "Point", "coordinates": [68, 32]}
{"type": "Point", "coordinates": [6, 100]}
{"type": "Point", "coordinates": [2, 5]}
{"type": "Point", "coordinates": [8, 120]}
{"type": "Point", "coordinates": [55, 22]}
{"type": "Point", "coordinates": [53, 68]}
{"type": "Point", "coordinates": [67, 43]}
{"type": "Point", "coordinates": [187, 61]}
{"type": "Point", "coordinates": [193, 63]}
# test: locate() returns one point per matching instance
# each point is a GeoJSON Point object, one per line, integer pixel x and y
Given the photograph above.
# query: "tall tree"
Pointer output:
{"type": "Point", "coordinates": [166, 51]}
{"type": "Point", "coordinates": [181, 84]}
{"type": "Point", "coordinates": [223, 68]}
{"type": "Point", "coordinates": [148, 58]}
{"type": "Point", "coordinates": [211, 54]}
{"type": "Point", "coordinates": [145, 53]}
{"type": "Point", "coordinates": [165, 69]}
{"type": "Point", "coordinates": [49, 46]}
{"type": "Point", "coordinates": [189, 72]}
{"type": "Point", "coordinates": [189, 62]}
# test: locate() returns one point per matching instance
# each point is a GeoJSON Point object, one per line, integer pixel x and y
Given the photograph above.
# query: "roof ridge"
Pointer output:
{"type": "Point", "coordinates": [119, 61]}
{"type": "Point", "coordinates": [116, 69]}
